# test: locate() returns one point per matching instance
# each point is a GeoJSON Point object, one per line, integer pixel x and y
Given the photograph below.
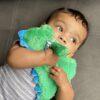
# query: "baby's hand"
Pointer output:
{"type": "Point", "coordinates": [59, 77]}
{"type": "Point", "coordinates": [50, 58]}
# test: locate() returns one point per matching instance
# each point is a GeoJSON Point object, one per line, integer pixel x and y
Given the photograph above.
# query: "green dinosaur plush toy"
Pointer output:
{"type": "Point", "coordinates": [40, 38]}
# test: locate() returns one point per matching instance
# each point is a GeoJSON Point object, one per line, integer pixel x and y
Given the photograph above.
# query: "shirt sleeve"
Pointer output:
{"type": "Point", "coordinates": [16, 42]}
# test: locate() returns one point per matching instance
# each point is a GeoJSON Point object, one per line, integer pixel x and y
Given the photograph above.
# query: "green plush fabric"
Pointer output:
{"type": "Point", "coordinates": [37, 38]}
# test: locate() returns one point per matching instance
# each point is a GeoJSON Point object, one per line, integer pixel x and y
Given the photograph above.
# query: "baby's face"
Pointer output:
{"type": "Point", "coordinates": [68, 31]}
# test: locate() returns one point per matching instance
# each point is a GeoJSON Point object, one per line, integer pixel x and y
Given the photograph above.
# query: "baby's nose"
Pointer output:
{"type": "Point", "coordinates": [62, 39]}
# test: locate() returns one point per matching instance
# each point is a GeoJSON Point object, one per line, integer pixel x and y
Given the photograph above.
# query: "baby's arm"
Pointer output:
{"type": "Point", "coordinates": [19, 57]}
{"type": "Point", "coordinates": [65, 90]}
{"type": "Point", "coordinates": [65, 94]}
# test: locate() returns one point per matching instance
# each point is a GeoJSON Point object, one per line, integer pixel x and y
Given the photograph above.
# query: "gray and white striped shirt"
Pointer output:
{"type": "Point", "coordinates": [16, 84]}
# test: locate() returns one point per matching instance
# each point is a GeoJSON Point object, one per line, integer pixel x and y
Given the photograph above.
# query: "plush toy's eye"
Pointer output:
{"type": "Point", "coordinates": [60, 28]}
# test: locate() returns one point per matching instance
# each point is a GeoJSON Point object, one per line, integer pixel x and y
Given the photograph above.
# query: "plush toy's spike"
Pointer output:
{"type": "Point", "coordinates": [37, 88]}
{"type": "Point", "coordinates": [36, 79]}
{"type": "Point", "coordinates": [34, 73]}
{"type": "Point", "coordinates": [38, 96]}
{"type": "Point", "coordinates": [21, 35]}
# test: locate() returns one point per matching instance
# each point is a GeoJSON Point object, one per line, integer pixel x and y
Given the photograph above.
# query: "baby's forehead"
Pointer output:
{"type": "Point", "coordinates": [58, 14]}
{"type": "Point", "coordinates": [65, 16]}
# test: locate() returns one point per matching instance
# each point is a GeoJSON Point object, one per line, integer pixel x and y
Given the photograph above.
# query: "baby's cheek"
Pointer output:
{"type": "Point", "coordinates": [73, 49]}
{"type": "Point", "coordinates": [56, 34]}
{"type": "Point", "coordinates": [70, 47]}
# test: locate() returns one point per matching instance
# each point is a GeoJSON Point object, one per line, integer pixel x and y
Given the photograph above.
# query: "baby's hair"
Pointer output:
{"type": "Point", "coordinates": [75, 13]}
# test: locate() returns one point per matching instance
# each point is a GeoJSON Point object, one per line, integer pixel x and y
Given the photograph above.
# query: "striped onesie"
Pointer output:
{"type": "Point", "coordinates": [16, 84]}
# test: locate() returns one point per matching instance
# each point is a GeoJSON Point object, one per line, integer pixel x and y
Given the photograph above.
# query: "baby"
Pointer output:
{"type": "Point", "coordinates": [71, 30]}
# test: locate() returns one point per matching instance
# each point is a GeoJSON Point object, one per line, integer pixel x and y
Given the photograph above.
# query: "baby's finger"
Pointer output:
{"type": "Point", "coordinates": [54, 72]}
{"type": "Point", "coordinates": [58, 69]}
{"type": "Point", "coordinates": [52, 76]}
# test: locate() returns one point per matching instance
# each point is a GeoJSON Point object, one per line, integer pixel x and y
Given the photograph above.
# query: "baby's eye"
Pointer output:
{"type": "Point", "coordinates": [72, 39]}
{"type": "Point", "coordinates": [60, 28]}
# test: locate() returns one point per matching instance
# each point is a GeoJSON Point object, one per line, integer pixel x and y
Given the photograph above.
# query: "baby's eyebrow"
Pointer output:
{"type": "Point", "coordinates": [60, 21]}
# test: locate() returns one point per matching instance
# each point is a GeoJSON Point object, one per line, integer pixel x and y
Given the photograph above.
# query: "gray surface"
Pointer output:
{"type": "Point", "coordinates": [18, 14]}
